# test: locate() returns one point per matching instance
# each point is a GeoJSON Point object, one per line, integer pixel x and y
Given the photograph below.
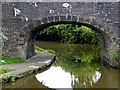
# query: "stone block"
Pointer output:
{"type": "Point", "coordinates": [56, 18]}
{"type": "Point", "coordinates": [74, 18]}
{"type": "Point", "coordinates": [87, 20]}
{"type": "Point", "coordinates": [22, 33]}
{"type": "Point", "coordinates": [81, 19]}
{"type": "Point", "coordinates": [38, 23]}
{"type": "Point", "coordinates": [93, 22]}
{"type": "Point", "coordinates": [25, 29]}
{"type": "Point", "coordinates": [62, 18]}
{"type": "Point", "coordinates": [50, 19]}
{"type": "Point", "coordinates": [30, 26]}
{"type": "Point", "coordinates": [13, 50]}
{"type": "Point", "coordinates": [44, 20]}
{"type": "Point", "coordinates": [69, 18]}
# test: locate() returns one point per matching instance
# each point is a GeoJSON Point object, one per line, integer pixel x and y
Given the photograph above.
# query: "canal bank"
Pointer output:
{"type": "Point", "coordinates": [32, 65]}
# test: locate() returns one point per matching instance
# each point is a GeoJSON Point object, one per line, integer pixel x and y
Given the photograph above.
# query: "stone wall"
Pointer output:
{"type": "Point", "coordinates": [20, 18]}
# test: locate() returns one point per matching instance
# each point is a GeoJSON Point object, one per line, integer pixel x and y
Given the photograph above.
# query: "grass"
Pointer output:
{"type": "Point", "coordinates": [40, 49]}
{"type": "Point", "coordinates": [51, 51]}
{"type": "Point", "coordinates": [36, 53]}
{"type": "Point", "coordinates": [5, 60]}
{"type": "Point", "coordinates": [2, 71]}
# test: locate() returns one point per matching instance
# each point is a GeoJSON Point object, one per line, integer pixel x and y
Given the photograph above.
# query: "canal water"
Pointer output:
{"type": "Point", "coordinates": [65, 72]}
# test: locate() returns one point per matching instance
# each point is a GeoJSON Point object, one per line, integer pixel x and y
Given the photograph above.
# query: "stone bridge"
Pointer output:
{"type": "Point", "coordinates": [22, 22]}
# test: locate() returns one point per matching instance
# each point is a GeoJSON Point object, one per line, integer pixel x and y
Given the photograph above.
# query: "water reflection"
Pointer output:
{"type": "Point", "coordinates": [66, 73]}
{"type": "Point", "coordinates": [82, 75]}
{"type": "Point", "coordinates": [108, 79]}
{"type": "Point", "coordinates": [56, 77]}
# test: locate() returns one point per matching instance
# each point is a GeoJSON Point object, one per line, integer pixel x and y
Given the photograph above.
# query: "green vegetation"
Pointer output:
{"type": "Point", "coordinates": [74, 34]}
{"type": "Point", "coordinates": [2, 39]}
{"type": "Point", "coordinates": [2, 71]}
{"type": "Point", "coordinates": [11, 77]}
{"type": "Point", "coordinates": [51, 51]}
{"type": "Point", "coordinates": [5, 60]}
{"type": "Point", "coordinates": [115, 57]}
{"type": "Point", "coordinates": [41, 49]}
{"type": "Point", "coordinates": [65, 58]}
{"type": "Point", "coordinates": [83, 71]}
{"type": "Point", "coordinates": [84, 53]}
{"type": "Point", "coordinates": [36, 53]}
{"type": "Point", "coordinates": [3, 36]}
{"type": "Point", "coordinates": [38, 48]}
{"type": "Point", "coordinates": [119, 64]}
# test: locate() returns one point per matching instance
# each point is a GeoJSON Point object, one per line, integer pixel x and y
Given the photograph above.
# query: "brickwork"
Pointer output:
{"type": "Point", "coordinates": [20, 20]}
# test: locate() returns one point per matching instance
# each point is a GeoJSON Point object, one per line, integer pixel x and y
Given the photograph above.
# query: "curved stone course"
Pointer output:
{"type": "Point", "coordinates": [22, 28]}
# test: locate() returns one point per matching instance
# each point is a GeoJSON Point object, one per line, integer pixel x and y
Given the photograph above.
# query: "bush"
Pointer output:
{"type": "Point", "coordinates": [73, 34]}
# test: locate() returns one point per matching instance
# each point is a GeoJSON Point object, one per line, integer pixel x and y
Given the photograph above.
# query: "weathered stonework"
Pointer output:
{"type": "Point", "coordinates": [20, 27]}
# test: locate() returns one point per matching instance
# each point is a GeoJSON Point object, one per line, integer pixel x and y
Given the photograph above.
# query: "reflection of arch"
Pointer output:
{"type": "Point", "coordinates": [30, 31]}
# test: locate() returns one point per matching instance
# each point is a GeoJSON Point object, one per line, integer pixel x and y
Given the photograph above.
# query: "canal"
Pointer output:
{"type": "Point", "coordinates": [71, 69]}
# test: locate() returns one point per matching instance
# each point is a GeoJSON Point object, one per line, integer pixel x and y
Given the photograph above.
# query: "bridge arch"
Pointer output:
{"type": "Point", "coordinates": [29, 32]}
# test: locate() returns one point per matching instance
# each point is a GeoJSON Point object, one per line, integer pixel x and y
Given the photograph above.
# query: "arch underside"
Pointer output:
{"type": "Point", "coordinates": [108, 38]}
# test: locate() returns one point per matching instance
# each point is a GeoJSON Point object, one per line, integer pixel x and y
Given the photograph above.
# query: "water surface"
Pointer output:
{"type": "Point", "coordinates": [65, 72]}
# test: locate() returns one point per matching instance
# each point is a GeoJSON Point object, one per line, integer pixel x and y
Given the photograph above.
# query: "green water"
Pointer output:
{"type": "Point", "coordinates": [65, 72]}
